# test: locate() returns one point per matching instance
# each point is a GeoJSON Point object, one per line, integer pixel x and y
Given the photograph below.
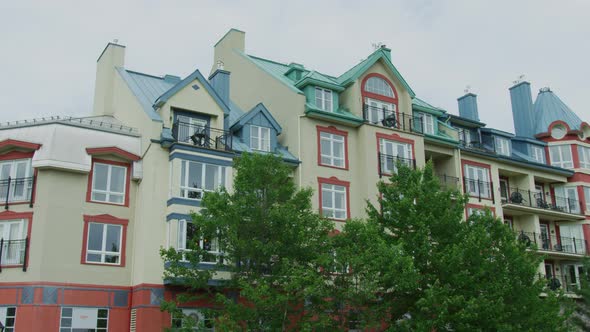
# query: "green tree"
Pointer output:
{"type": "Point", "coordinates": [580, 306]}
{"type": "Point", "coordinates": [473, 276]}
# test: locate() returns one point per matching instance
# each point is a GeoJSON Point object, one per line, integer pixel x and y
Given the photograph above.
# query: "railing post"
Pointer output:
{"type": "Point", "coordinates": [530, 200]}
{"type": "Point", "coordinates": [492, 192]}
{"type": "Point", "coordinates": [535, 239]}
{"type": "Point", "coordinates": [32, 190]}
{"type": "Point", "coordinates": [479, 189]}
{"type": "Point", "coordinates": [575, 246]}
{"type": "Point", "coordinates": [379, 163]}
{"type": "Point", "coordinates": [404, 121]}
{"type": "Point", "coordinates": [7, 193]}
{"type": "Point", "coordinates": [1, 249]}
{"type": "Point", "coordinates": [26, 258]}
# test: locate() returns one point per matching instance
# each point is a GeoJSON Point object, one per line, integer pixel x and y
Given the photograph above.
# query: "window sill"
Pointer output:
{"type": "Point", "coordinates": [102, 264]}
{"type": "Point", "coordinates": [108, 203]}
{"type": "Point", "coordinates": [335, 167]}
{"type": "Point", "coordinates": [184, 201]}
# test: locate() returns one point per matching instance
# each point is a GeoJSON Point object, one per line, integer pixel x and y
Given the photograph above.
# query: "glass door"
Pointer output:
{"type": "Point", "coordinates": [13, 244]}
{"type": "Point", "coordinates": [545, 240]}
{"type": "Point", "coordinates": [378, 111]}
{"type": "Point", "coordinates": [19, 172]}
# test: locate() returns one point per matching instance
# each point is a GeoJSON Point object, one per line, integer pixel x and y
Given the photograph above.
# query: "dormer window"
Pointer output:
{"type": "Point", "coordinates": [323, 99]}
{"type": "Point", "coordinates": [260, 138]}
{"type": "Point", "coordinates": [427, 123]}
{"type": "Point", "coordinates": [502, 146]}
{"type": "Point", "coordinates": [538, 154]}
{"type": "Point", "coordinates": [380, 101]}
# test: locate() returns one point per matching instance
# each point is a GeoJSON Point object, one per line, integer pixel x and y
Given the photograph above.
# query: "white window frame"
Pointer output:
{"type": "Point", "coordinates": [376, 110]}
{"type": "Point", "coordinates": [502, 145]}
{"type": "Point", "coordinates": [328, 158]}
{"type": "Point", "coordinates": [474, 174]}
{"type": "Point", "coordinates": [259, 138]}
{"type": "Point", "coordinates": [584, 156]}
{"type": "Point", "coordinates": [538, 154]}
{"type": "Point", "coordinates": [188, 126]}
{"type": "Point", "coordinates": [324, 99]}
{"type": "Point", "coordinates": [564, 153]}
{"type": "Point", "coordinates": [4, 316]}
{"type": "Point", "coordinates": [186, 188]}
{"type": "Point", "coordinates": [332, 212]}
{"type": "Point", "coordinates": [391, 148]}
{"type": "Point", "coordinates": [182, 243]}
{"type": "Point", "coordinates": [11, 254]}
{"type": "Point", "coordinates": [428, 121]}
{"type": "Point", "coordinates": [108, 192]}
{"type": "Point", "coordinates": [65, 318]}
{"type": "Point", "coordinates": [567, 193]}
{"type": "Point", "coordinates": [587, 198]}
{"type": "Point", "coordinates": [25, 185]}
{"type": "Point", "coordinates": [200, 316]}
{"type": "Point", "coordinates": [104, 252]}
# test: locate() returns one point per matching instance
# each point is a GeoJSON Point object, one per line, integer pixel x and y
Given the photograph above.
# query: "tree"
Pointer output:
{"type": "Point", "coordinates": [273, 246]}
{"type": "Point", "coordinates": [580, 317]}
{"type": "Point", "coordinates": [473, 275]}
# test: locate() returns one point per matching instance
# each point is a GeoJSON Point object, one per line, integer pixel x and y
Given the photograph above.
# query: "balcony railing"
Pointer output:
{"type": "Point", "coordinates": [14, 253]}
{"type": "Point", "coordinates": [540, 200]}
{"type": "Point", "coordinates": [202, 136]}
{"type": "Point", "coordinates": [388, 163]}
{"type": "Point", "coordinates": [449, 182]}
{"type": "Point", "coordinates": [547, 242]}
{"type": "Point", "coordinates": [393, 119]}
{"type": "Point", "coordinates": [568, 283]}
{"type": "Point", "coordinates": [13, 190]}
{"type": "Point", "coordinates": [478, 188]}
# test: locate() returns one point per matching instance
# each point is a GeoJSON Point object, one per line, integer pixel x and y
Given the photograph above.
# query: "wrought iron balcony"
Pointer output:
{"type": "Point", "coordinates": [547, 242]}
{"type": "Point", "coordinates": [540, 200]}
{"type": "Point", "coordinates": [388, 163]}
{"type": "Point", "coordinates": [15, 190]}
{"type": "Point", "coordinates": [393, 119]}
{"type": "Point", "coordinates": [449, 182]}
{"type": "Point", "coordinates": [478, 188]}
{"type": "Point", "coordinates": [14, 253]}
{"type": "Point", "coordinates": [202, 136]}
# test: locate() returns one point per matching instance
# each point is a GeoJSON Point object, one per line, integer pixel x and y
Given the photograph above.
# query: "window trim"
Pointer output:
{"type": "Point", "coordinates": [259, 130]}
{"type": "Point", "coordinates": [324, 91]}
{"type": "Point", "coordinates": [335, 181]}
{"type": "Point", "coordinates": [104, 219]}
{"type": "Point", "coordinates": [28, 219]}
{"type": "Point", "coordinates": [334, 131]}
{"type": "Point", "coordinates": [465, 162]}
{"type": "Point", "coordinates": [127, 181]}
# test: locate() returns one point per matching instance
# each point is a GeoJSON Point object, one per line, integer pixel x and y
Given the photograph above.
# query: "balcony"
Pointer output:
{"type": "Point", "coordinates": [392, 119]}
{"type": "Point", "coordinates": [202, 136]}
{"type": "Point", "coordinates": [567, 283]}
{"type": "Point", "coordinates": [17, 190]}
{"type": "Point", "coordinates": [449, 182]}
{"type": "Point", "coordinates": [479, 189]}
{"type": "Point", "coordinates": [521, 200]}
{"type": "Point", "coordinates": [388, 164]}
{"type": "Point", "coordinates": [553, 243]}
{"type": "Point", "coordinates": [14, 253]}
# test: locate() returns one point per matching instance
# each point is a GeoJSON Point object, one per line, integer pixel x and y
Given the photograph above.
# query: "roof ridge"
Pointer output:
{"type": "Point", "coordinates": [143, 74]}
{"type": "Point", "coordinates": [268, 60]}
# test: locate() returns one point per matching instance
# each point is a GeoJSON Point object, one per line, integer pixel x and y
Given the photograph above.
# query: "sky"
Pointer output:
{"type": "Point", "coordinates": [48, 58]}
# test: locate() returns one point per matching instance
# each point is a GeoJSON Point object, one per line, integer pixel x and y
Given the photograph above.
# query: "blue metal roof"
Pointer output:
{"type": "Point", "coordinates": [259, 108]}
{"type": "Point", "coordinates": [548, 108]}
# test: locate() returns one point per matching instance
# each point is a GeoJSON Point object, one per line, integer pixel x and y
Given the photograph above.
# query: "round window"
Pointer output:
{"type": "Point", "coordinates": [558, 131]}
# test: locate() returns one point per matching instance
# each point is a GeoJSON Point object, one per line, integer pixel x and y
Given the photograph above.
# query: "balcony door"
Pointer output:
{"type": "Point", "coordinates": [545, 240]}
{"type": "Point", "coordinates": [572, 273]}
{"type": "Point", "coordinates": [20, 185]}
{"type": "Point", "coordinates": [378, 110]}
{"type": "Point", "coordinates": [572, 239]}
{"type": "Point", "coordinates": [391, 151]}
{"type": "Point", "coordinates": [478, 181]}
{"type": "Point", "coordinates": [12, 233]}
{"type": "Point", "coordinates": [188, 126]}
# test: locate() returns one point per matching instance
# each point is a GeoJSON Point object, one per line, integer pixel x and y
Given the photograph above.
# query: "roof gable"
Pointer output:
{"type": "Point", "coordinates": [258, 109]}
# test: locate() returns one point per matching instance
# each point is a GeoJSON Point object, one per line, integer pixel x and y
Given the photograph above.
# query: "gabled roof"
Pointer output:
{"type": "Point", "coordinates": [421, 105]}
{"type": "Point", "coordinates": [246, 117]}
{"type": "Point", "coordinates": [548, 108]}
{"type": "Point", "coordinates": [363, 66]}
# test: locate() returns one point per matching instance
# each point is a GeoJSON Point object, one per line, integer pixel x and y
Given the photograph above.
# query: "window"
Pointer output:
{"type": "Point", "coordinates": [428, 123]}
{"type": "Point", "coordinates": [566, 199]}
{"type": "Point", "coordinates": [323, 99]}
{"type": "Point", "coordinates": [334, 201]}
{"type": "Point", "coordinates": [14, 233]}
{"type": "Point", "coordinates": [20, 185]}
{"type": "Point", "coordinates": [108, 183]}
{"type": "Point", "coordinates": [332, 149]}
{"type": "Point", "coordinates": [188, 126]}
{"type": "Point", "coordinates": [378, 111]}
{"type": "Point", "coordinates": [504, 189]}
{"type": "Point", "coordinates": [200, 320]}
{"type": "Point", "coordinates": [379, 86]}
{"type": "Point", "coordinates": [477, 181]}
{"type": "Point", "coordinates": [502, 146]}
{"type": "Point", "coordinates": [103, 245]}
{"type": "Point", "coordinates": [584, 155]}
{"type": "Point", "coordinates": [587, 199]}
{"type": "Point", "coordinates": [558, 131]}
{"type": "Point", "coordinates": [260, 138]}
{"type": "Point", "coordinates": [187, 232]}
{"type": "Point", "coordinates": [83, 319]}
{"type": "Point", "coordinates": [8, 318]}
{"type": "Point", "coordinates": [390, 152]}
{"type": "Point", "coordinates": [471, 211]}
{"type": "Point", "coordinates": [561, 156]}
{"type": "Point", "coordinates": [538, 154]}
{"type": "Point", "coordinates": [572, 239]}
{"type": "Point", "coordinates": [465, 136]}
{"type": "Point", "coordinates": [197, 178]}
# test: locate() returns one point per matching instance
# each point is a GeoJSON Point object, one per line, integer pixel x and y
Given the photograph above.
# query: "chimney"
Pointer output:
{"type": "Point", "coordinates": [112, 56]}
{"type": "Point", "coordinates": [522, 109]}
{"type": "Point", "coordinates": [233, 40]}
{"type": "Point", "coordinates": [220, 82]}
{"type": "Point", "coordinates": [468, 106]}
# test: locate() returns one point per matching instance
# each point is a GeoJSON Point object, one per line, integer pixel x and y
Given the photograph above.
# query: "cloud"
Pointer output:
{"type": "Point", "coordinates": [50, 48]}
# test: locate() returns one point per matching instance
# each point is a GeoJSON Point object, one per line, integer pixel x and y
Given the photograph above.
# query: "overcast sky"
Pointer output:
{"type": "Point", "coordinates": [49, 48]}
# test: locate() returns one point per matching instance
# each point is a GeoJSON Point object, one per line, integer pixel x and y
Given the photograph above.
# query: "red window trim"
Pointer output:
{"type": "Point", "coordinates": [480, 207]}
{"type": "Point", "coordinates": [127, 181]}
{"type": "Point", "coordinates": [335, 131]}
{"type": "Point", "coordinates": [104, 219]}
{"type": "Point", "coordinates": [481, 165]}
{"type": "Point", "coordinates": [334, 180]}
{"type": "Point", "coordinates": [392, 137]}
{"type": "Point", "coordinates": [10, 215]}
{"type": "Point", "coordinates": [113, 150]}
{"type": "Point", "coordinates": [16, 144]}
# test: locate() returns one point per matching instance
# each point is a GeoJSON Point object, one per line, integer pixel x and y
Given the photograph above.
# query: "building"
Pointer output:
{"type": "Point", "coordinates": [89, 202]}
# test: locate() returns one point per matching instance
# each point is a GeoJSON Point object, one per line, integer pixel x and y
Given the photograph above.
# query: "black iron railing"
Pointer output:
{"type": "Point", "coordinates": [14, 253]}
{"type": "Point", "coordinates": [393, 119]}
{"type": "Point", "coordinates": [541, 200]}
{"type": "Point", "coordinates": [388, 163]}
{"type": "Point", "coordinates": [474, 143]}
{"type": "Point", "coordinates": [14, 190]}
{"type": "Point", "coordinates": [478, 188]}
{"type": "Point", "coordinates": [202, 136]}
{"type": "Point", "coordinates": [569, 283]}
{"type": "Point", "coordinates": [548, 242]}
{"type": "Point", "coordinates": [449, 182]}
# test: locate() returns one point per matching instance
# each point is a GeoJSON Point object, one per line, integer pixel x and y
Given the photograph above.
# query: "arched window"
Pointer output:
{"type": "Point", "coordinates": [380, 101]}
{"type": "Point", "coordinates": [379, 86]}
